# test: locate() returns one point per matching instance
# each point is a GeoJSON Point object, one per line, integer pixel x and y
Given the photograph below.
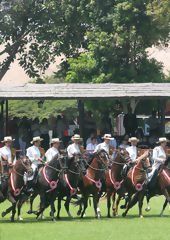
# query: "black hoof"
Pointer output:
{"type": "Point", "coordinates": [12, 219]}
{"type": "Point", "coordinates": [78, 213]}
{"type": "Point", "coordinates": [29, 212]}
{"type": "Point", "coordinates": [123, 214]}
{"type": "Point", "coordinates": [122, 207]}
{"type": "Point", "coordinates": [3, 214]}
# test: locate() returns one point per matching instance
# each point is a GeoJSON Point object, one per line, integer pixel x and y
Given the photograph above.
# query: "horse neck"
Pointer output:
{"type": "Point", "coordinates": [19, 167]}
{"type": "Point", "coordinates": [139, 171]}
{"type": "Point", "coordinates": [91, 172]}
{"type": "Point", "coordinates": [116, 168]}
{"type": "Point", "coordinates": [73, 178]}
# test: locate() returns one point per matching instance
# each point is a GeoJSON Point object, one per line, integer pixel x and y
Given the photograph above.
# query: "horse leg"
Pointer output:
{"type": "Point", "coordinates": [8, 210]}
{"type": "Point", "coordinates": [148, 204]}
{"type": "Point", "coordinates": [114, 207]}
{"type": "Point", "coordinates": [96, 208]}
{"type": "Point", "coordinates": [59, 207]}
{"type": "Point", "coordinates": [67, 205]}
{"type": "Point", "coordinates": [117, 204]}
{"type": "Point", "coordinates": [140, 203]}
{"type": "Point", "coordinates": [33, 196]}
{"type": "Point", "coordinates": [108, 205]}
{"type": "Point", "coordinates": [131, 203]}
{"type": "Point", "coordinates": [20, 203]}
{"type": "Point", "coordinates": [85, 203]}
{"type": "Point", "coordinates": [52, 211]}
{"type": "Point", "coordinates": [164, 206]}
{"type": "Point", "coordinates": [42, 204]}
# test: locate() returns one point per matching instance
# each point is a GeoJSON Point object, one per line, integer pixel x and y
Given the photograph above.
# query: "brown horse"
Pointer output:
{"type": "Point", "coordinates": [114, 180]}
{"type": "Point", "coordinates": [135, 184]}
{"type": "Point", "coordinates": [16, 184]}
{"type": "Point", "coordinates": [162, 186]}
{"type": "Point", "coordinates": [92, 182]}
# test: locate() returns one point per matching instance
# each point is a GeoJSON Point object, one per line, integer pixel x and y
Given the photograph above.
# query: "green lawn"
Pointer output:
{"type": "Point", "coordinates": [132, 227]}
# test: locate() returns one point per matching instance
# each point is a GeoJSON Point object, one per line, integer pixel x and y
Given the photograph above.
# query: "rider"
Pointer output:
{"type": "Point", "coordinates": [106, 144]}
{"type": "Point", "coordinates": [7, 152]}
{"type": "Point", "coordinates": [51, 152]}
{"type": "Point", "coordinates": [34, 154]}
{"type": "Point", "coordinates": [74, 147]}
{"type": "Point", "coordinates": [134, 154]}
{"type": "Point", "coordinates": [159, 157]}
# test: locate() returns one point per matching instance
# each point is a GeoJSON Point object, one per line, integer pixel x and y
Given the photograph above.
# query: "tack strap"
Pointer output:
{"type": "Point", "coordinates": [72, 189]}
{"type": "Point", "coordinates": [53, 184]}
{"type": "Point", "coordinates": [17, 191]}
{"type": "Point", "coordinates": [138, 186]}
{"type": "Point", "coordinates": [97, 183]}
{"type": "Point", "coordinates": [117, 185]}
{"type": "Point", "coordinates": [166, 175]}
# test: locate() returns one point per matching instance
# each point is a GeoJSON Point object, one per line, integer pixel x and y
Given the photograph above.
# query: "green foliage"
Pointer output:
{"type": "Point", "coordinates": [29, 108]}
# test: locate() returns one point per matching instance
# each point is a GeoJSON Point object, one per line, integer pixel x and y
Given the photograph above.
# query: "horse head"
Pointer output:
{"type": "Point", "coordinates": [24, 163]}
{"type": "Point", "coordinates": [145, 163]}
{"type": "Point", "coordinates": [122, 156]}
{"type": "Point", "coordinates": [102, 158]}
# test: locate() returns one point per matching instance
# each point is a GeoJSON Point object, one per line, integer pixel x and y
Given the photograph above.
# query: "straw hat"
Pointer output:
{"type": "Point", "coordinates": [163, 139]}
{"type": "Point", "coordinates": [133, 139]}
{"type": "Point", "coordinates": [76, 137]}
{"type": "Point", "coordinates": [8, 139]}
{"type": "Point", "coordinates": [107, 136]}
{"type": "Point", "coordinates": [35, 139]}
{"type": "Point", "coordinates": [55, 140]}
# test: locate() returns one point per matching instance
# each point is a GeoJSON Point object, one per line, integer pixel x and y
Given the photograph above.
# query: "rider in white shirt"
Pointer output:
{"type": "Point", "coordinates": [33, 153]}
{"type": "Point", "coordinates": [159, 156]}
{"type": "Point", "coordinates": [91, 146]}
{"type": "Point", "coordinates": [74, 147]}
{"type": "Point", "coordinates": [5, 151]}
{"type": "Point", "coordinates": [106, 144]}
{"type": "Point", "coordinates": [132, 150]}
{"type": "Point", "coordinates": [53, 151]}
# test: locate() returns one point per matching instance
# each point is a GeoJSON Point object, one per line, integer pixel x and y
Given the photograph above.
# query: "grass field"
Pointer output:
{"type": "Point", "coordinates": [151, 227]}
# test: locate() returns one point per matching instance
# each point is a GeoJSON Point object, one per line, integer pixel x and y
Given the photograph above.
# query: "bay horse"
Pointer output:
{"type": "Point", "coordinates": [48, 179]}
{"type": "Point", "coordinates": [162, 186]}
{"type": "Point", "coordinates": [16, 184]}
{"type": "Point", "coordinates": [68, 188]}
{"type": "Point", "coordinates": [135, 184]}
{"type": "Point", "coordinates": [114, 180]}
{"type": "Point", "coordinates": [91, 183]}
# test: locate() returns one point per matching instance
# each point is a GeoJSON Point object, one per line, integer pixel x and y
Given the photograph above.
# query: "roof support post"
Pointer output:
{"type": "Point", "coordinates": [2, 119]}
{"type": "Point", "coordinates": [6, 117]}
{"type": "Point", "coordinates": [163, 107]}
{"type": "Point", "coordinates": [81, 117]}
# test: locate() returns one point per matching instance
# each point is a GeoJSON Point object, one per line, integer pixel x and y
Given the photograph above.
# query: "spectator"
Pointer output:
{"type": "Point", "coordinates": [60, 127]}
{"type": "Point", "coordinates": [92, 135]}
{"type": "Point", "coordinates": [91, 146]}
{"type": "Point", "coordinates": [44, 129]}
{"type": "Point", "coordinates": [154, 124]}
{"type": "Point", "coordinates": [144, 144]}
{"type": "Point", "coordinates": [130, 123]}
{"type": "Point", "coordinates": [124, 143]}
{"type": "Point", "coordinates": [35, 128]}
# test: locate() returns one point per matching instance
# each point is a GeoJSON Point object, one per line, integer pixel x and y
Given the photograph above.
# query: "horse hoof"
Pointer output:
{"type": "Point", "coordinates": [122, 207]}
{"type": "Point", "coordinates": [20, 218]}
{"type": "Point", "coordinates": [42, 217]}
{"type": "Point", "coordinates": [141, 216]}
{"type": "Point", "coordinates": [12, 219]}
{"type": "Point", "coordinates": [78, 213]}
{"type": "Point", "coordinates": [3, 214]}
{"type": "Point", "coordinates": [54, 220]}
{"type": "Point", "coordinates": [29, 212]}
{"type": "Point", "coordinates": [124, 214]}
{"type": "Point", "coordinates": [108, 216]}
{"type": "Point", "coordinates": [147, 209]}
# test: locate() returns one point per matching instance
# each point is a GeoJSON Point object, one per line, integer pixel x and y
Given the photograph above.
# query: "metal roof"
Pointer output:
{"type": "Point", "coordinates": [84, 90]}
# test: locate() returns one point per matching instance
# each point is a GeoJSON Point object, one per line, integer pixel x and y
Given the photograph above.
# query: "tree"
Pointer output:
{"type": "Point", "coordinates": [36, 31]}
{"type": "Point", "coordinates": [118, 37]}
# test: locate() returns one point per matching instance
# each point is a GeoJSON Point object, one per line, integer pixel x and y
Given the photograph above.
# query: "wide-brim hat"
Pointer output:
{"type": "Point", "coordinates": [8, 139]}
{"type": "Point", "coordinates": [107, 136]}
{"type": "Point", "coordinates": [35, 139]}
{"type": "Point", "coordinates": [162, 139]}
{"type": "Point", "coordinates": [76, 137]}
{"type": "Point", "coordinates": [55, 140]}
{"type": "Point", "coordinates": [133, 139]}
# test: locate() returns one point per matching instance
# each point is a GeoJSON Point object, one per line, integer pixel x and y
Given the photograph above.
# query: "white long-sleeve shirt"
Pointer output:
{"type": "Point", "coordinates": [6, 152]}
{"type": "Point", "coordinates": [51, 152]}
{"type": "Point", "coordinates": [132, 150]}
{"type": "Point", "coordinates": [73, 149]}
{"type": "Point", "coordinates": [159, 156]}
{"type": "Point", "coordinates": [33, 153]}
{"type": "Point", "coordinates": [103, 146]}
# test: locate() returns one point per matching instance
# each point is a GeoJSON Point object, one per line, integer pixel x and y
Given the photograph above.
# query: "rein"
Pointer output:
{"type": "Point", "coordinates": [73, 190]}
{"type": "Point", "coordinates": [96, 169]}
